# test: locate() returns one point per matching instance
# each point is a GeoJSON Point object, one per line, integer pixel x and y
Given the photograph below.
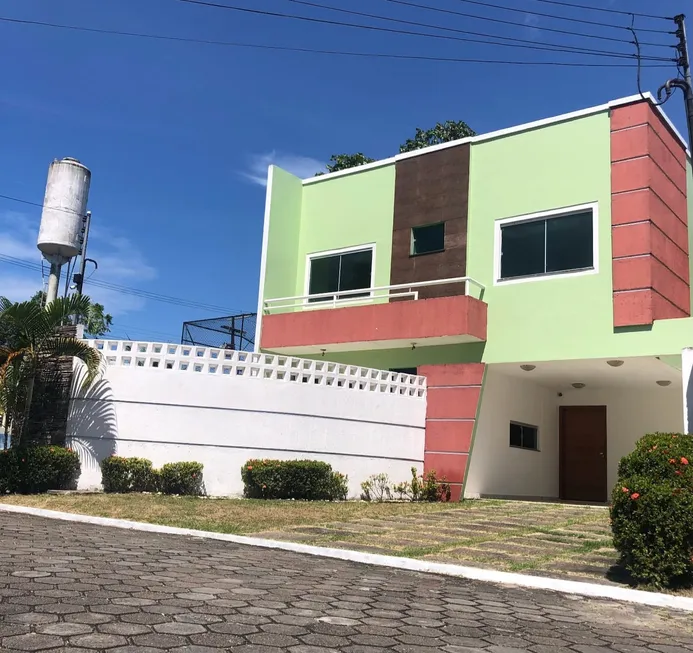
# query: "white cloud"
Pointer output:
{"type": "Point", "coordinates": [531, 22]}
{"type": "Point", "coordinates": [301, 166]}
{"type": "Point", "coordinates": [120, 262]}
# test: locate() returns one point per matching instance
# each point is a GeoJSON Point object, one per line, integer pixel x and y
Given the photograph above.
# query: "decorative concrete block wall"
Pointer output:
{"type": "Point", "coordinates": [220, 407]}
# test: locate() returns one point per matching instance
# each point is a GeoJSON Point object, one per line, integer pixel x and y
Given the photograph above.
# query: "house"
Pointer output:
{"type": "Point", "coordinates": [538, 276]}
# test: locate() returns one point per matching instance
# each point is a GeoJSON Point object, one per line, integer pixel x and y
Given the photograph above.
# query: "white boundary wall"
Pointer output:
{"type": "Point", "coordinates": [174, 403]}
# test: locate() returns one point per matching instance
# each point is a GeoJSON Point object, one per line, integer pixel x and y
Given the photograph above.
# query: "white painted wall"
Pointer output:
{"type": "Point", "coordinates": [170, 415]}
{"type": "Point", "coordinates": [498, 469]}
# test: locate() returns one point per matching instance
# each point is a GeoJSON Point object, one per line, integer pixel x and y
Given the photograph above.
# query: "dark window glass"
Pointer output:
{"type": "Point", "coordinates": [350, 271]}
{"type": "Point", "coordinates": [522, 252]}
{"type": "Point", "coordinates": [428, 239]}
{"type": "Point", "coordinates": [557, 244]}
{"type": "Point", "coordinates": [569, 242]}
{"type": "Point", "coordinates": [523, 436]}
{"type": "Point", "coordinates": [404, 370]}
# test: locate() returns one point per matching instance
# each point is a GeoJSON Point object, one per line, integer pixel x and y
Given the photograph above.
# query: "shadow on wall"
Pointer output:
{"type": "Point", "coordinates": [92, 425]}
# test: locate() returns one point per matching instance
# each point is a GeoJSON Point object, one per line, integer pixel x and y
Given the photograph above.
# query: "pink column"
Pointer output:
{"type": "Point", "coordinates": [453, 399]}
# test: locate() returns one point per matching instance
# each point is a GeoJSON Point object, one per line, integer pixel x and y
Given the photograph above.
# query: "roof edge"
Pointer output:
{"type": "Point", "coordinates": [508, 131]}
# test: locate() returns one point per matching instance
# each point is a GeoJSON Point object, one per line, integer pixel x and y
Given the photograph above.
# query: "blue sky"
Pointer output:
{"type": "Point", "coordinates": [178, 136]}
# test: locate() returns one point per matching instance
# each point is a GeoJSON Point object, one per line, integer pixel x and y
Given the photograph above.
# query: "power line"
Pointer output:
{"type": "Point", "coordinates": [519, 24]}
{"type": "Point", "coordinates": [325, 21]}
{"type": "Point", "coordinates": [583, 21]}
{"type": "Point", "coordinates": [177, 301]}
{"type": "Point", "coordinates": [262, 46]}
{"type": "Point", "coordinates": [604, 9]}
{"type": "Point", "coordinates": [552, 47]}
{"type": "Point", "coordinates": [42, 206]}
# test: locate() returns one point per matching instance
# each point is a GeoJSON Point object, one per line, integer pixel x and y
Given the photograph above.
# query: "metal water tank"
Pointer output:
{"type": "Point", "coordinates": [64, 208]}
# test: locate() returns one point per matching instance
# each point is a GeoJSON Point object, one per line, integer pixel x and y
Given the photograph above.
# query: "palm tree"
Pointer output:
{"type": "Point", "coordinates": [35, 338]}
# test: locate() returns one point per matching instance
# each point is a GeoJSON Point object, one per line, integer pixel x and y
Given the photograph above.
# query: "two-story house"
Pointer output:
{"type": "Point", "coordinates": [538, 276]}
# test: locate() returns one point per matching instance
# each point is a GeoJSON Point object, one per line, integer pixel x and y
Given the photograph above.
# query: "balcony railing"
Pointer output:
{"type": "Point", "coordinates": [363, 295]}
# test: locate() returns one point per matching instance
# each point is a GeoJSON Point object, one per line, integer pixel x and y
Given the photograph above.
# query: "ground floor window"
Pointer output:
{"type": "Point", "coordinates": [524, 436]}
{"type": "Point", "coordinates": [404, 370]}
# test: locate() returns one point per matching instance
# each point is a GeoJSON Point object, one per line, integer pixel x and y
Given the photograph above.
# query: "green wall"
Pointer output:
{"type": "Point", "coordinates": [553, 318]}
{"type": "Point", "coordinates": [356, 209]}
{"type": "Point", "coordinates": [283, 237]}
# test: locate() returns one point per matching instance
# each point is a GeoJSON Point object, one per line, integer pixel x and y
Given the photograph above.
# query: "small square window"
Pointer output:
{"type": "Point", "coordinates": [428, 239]}
{"type": "Point", "coordinates": [524, 436]}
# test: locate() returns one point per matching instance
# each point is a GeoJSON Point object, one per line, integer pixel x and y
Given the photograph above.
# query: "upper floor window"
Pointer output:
{"type": "Point", "coordinates": [428, 239]}
{"type": "Point", "coordinates": [547, 244]}
{"type": "Point", "coordinates": [338, 272]}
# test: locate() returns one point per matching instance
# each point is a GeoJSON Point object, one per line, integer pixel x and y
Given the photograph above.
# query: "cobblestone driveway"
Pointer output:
{"type": "Point", "coordinates": [80, 588]}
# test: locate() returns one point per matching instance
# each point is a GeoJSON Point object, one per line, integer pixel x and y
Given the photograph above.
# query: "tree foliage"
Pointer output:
{"type": "Point", "coordinates": [450, 130]}
{"type": "Point", "coordinates": [95, 320]}
{"type": "Point", "coordinates": [34, 337]}
{"type": "Point", "coordinates": [344, 161]}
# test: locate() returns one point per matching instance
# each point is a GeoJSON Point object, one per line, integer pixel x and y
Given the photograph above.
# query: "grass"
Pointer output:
{"type": "Point", "coordinates": [237, 516]}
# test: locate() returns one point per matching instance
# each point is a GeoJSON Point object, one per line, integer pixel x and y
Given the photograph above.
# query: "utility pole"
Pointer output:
{"type": "Point", "coordinates": [684, 82]}
{"type": "Point", "coordinates": [79, 277]}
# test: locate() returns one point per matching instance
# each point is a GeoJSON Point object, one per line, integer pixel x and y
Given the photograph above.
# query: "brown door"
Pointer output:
{"type": "Point", "coordinates": [583, 453]}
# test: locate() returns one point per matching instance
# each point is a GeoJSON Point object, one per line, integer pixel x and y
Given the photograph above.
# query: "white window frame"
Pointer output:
{"type": "Point", "coordinates": [335, 252]}
{"type": "Point", "coordinates": [543, 215]}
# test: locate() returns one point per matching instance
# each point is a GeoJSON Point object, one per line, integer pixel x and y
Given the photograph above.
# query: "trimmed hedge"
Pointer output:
{"type": "Point", "coordinates": [308, 480]}
{"type": "Point", "coordinates": [32, 470]}
{"type": "Point", "coordinates": [181, 478]}
{"type": "Point", "coordinates": [123, 475]}
{"type": "Point", "coordinates": [652, 509]}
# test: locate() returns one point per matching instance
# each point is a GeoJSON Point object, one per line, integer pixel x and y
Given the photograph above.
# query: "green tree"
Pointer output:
{"type": "Point", "coordinates": [96, 321]}
{"type": "Point", "coordinates": [345, 161]}
{"type": "Point", "coordinates": [35, 337]}
{"type": "Point", "coordinates": [441, 133]}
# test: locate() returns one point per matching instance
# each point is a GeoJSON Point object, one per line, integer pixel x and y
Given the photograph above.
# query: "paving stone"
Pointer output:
{"type": "Point", "coordinates": [121, 591]}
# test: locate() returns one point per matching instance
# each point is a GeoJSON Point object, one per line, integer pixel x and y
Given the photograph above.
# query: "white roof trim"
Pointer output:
{"type": "Point", "coordinates": [349, 171]}
{"type": "Point", "coordinates": [480, 138]}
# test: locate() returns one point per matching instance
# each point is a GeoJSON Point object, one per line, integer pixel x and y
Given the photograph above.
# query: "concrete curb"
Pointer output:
{"type": "Point", "coordinates": [409, 564]}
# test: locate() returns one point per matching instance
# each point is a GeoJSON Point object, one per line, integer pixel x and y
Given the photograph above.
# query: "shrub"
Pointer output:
{"type": "Point", "coordinates": [376, 488]}
{"type": "Point", "coordinates": [309, 480]}
{"type": "Point", "coordinates": [652, 509]}
{"type": "Point", "coordinates": [123, 475]}
{"type": "Point", "coordinates": [31, 470]}
{"type": "Point", "coordinates": [181, 478]}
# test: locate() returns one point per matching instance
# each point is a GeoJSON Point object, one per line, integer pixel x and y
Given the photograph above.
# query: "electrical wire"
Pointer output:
{"type": "Point", "coordinates": [520, 24]}
{"type": "Point", "coordinates": [605, 9]}
{"type": "Point", "coordinates": [583, 21]}
{"type": "Point", "coordinates": [636, 42]}
{"type": "Point", "coordinates": [371, 55]}
{"type": "Point", "coordinates": [53, 208]}
{"type": "Point", "coordinates": [144, 294]}
{"type": "Point", "coordinates": [552, 47]}
{"type": "Point", "coordinates": [324, 21]}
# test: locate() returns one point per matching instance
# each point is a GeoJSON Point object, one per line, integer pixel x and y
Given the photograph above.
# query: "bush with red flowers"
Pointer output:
{"type": "Point", "coordinates": [652, 509]}
{"type": "Point", "coordinates": [31, 470]}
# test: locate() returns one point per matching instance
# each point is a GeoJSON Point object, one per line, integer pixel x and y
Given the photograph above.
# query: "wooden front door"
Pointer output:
{"type": "Point", "coordinates": [582, 431]}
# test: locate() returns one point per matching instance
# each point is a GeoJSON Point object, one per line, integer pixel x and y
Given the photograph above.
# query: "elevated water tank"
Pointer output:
{"type": "Point", "coordinates": [64, 208]}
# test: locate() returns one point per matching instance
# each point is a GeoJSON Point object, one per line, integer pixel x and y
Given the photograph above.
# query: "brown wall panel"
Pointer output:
{"type": "Point", "coordinates": [432, 188]}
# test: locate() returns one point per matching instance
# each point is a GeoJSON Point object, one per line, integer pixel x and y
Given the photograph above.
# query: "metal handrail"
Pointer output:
{"type": "Point", "coordinates": [346, 297]}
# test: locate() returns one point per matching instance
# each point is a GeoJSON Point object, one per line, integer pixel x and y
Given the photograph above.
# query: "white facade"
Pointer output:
{"type": "Point", "coordinates": [635, 406]}
{"type": "Point", "coordinates": [172, 403]}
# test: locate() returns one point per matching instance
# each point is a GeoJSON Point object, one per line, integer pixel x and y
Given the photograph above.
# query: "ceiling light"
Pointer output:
{"type": "Point", "coordinates": [615, 363]}
{"type": "Point", "coordinates": [578, 386]}
{"type": "Point", "coordinates": [528, 368]}
{"type": "Point", "coordinates": [664, 384]}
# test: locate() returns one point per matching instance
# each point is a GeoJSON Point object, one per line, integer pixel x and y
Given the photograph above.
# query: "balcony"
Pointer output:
{"type": "Point", "coordinates": [384, 317]}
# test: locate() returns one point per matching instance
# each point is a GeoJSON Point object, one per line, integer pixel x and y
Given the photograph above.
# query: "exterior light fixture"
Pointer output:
{"type": "Point", "coordinates": [578, 386]}
{"type": "Point", "coordinates": [322, 352]}
{"type": "Point", "coordinates": [614, 363]}
{"type": "Point", "coordinates": [413, 346]}
{"type": "Point", "coordinates": [528, 368]}
{"type": "Point", "coordinates": [664, 384]}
